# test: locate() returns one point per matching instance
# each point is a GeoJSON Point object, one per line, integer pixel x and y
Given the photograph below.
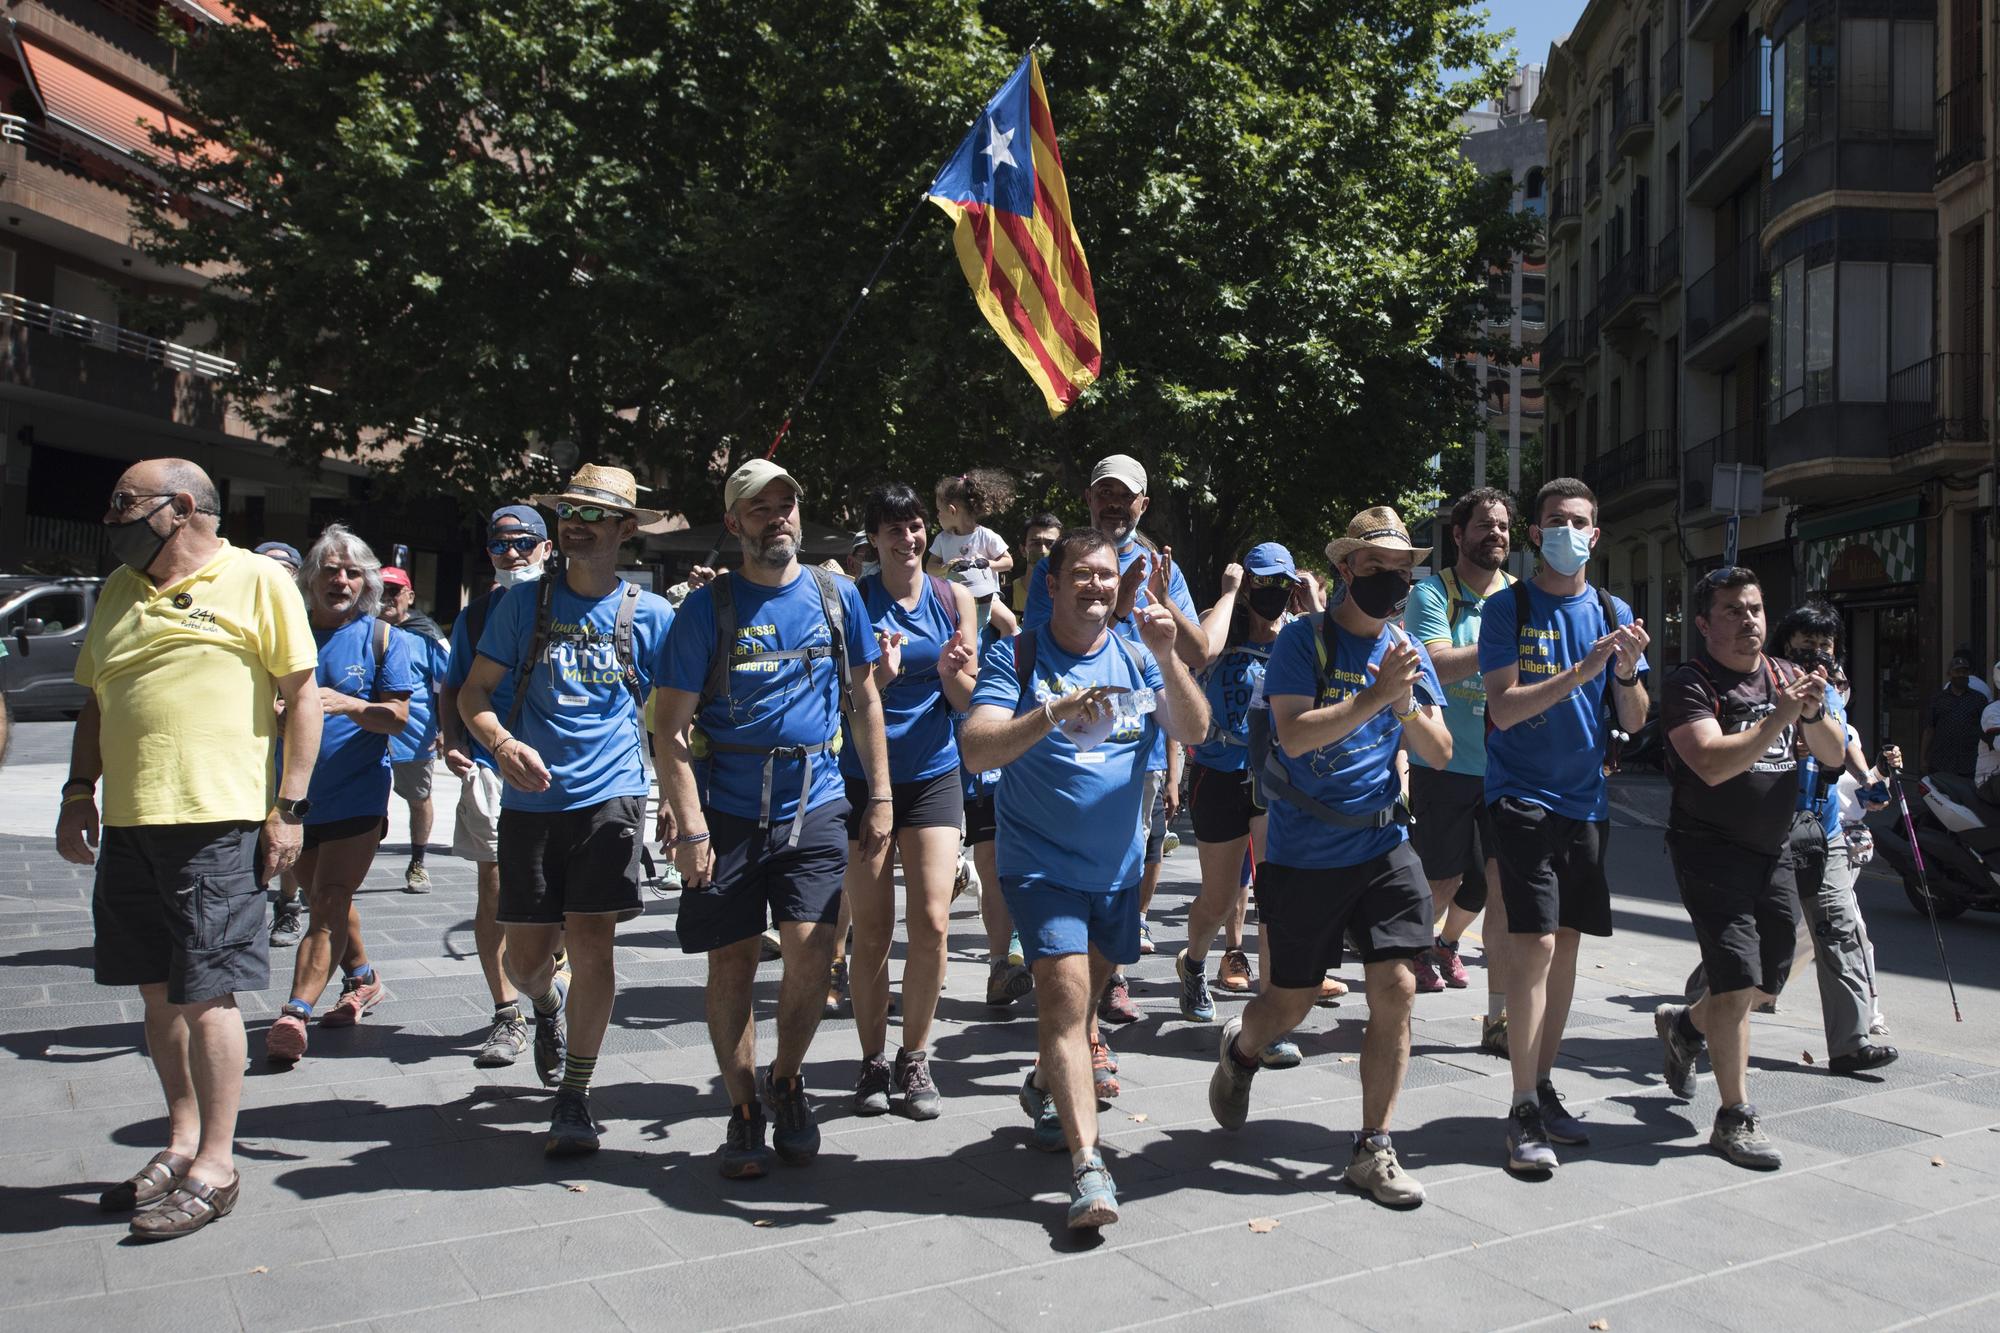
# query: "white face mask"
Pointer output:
{"type": "Point", "coordinates": [509, 578]}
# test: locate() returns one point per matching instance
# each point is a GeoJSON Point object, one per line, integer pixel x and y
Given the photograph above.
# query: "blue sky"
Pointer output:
{"type": "Point", "coordinates": [1536, 23]}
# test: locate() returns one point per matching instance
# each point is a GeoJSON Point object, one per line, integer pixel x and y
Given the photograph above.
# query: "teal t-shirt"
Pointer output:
{"type": "Point", "coordinates": [1431, 617]}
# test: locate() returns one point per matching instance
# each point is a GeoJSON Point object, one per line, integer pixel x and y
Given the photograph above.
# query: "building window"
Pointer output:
{"type": "Point", "coordinates": [1839, 330]}
{"type": "Point", "coordinates": [1534, 301]}
{"type": "Point", "coordinates": [1886, 88]}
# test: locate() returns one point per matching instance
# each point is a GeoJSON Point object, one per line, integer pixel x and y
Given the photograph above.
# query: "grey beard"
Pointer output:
{"type": "Point", "coordinates": [777, 552]}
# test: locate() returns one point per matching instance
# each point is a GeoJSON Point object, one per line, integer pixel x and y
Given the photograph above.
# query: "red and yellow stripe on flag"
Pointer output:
{"type": "Point", "coordinates": [1004, 189]}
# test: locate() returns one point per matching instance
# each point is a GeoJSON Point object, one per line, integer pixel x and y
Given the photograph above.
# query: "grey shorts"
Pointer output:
{"type": "Point", "coordinates": [180, 904]}
{"type": "Point", "coordinates": [412, 781]}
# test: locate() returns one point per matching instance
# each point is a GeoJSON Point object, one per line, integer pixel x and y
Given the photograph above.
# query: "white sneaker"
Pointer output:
{"type": "Point", "coordinates": [968, 878]}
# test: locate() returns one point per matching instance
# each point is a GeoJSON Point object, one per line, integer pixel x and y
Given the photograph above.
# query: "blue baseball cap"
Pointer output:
{"type": "Point", "coordinates": [281, 551]}
{"type": "Point", "coordinates": [525, 515]}
{"type": "Point", "coordinates": [1268, 558]}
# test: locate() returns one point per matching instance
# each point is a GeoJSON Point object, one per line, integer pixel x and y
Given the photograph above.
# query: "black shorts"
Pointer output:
{"type": "Point", "coordinates": [1551, 869]}
{"type": "Point", "coordinates": [937, 802]}
{"type": "Point", "coordinates": [586, 860]}
{"type": "Point", "coordinates": [1450, 830]}
{"type": "Point", "coordinates": [982, 820]}
{"type": "Point", "coordinates": [339, 830]}
{"type": "Point", "coordinates": [1741, 907]}
{"type": "Point", "coordinates": [757, 870]}
{"type": "Point", "coordinates": [180, 904]}
{"type": "Point", "coordinates": [1156, 827]}
{"type": "Point", "coordinates": [1306, 914]}
{"type": "Point", "coordinates": [1221, 804]}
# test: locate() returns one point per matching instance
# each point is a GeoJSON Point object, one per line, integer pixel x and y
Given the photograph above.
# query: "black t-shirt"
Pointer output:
{"type": "Point", "coordinates": [1752, 810]}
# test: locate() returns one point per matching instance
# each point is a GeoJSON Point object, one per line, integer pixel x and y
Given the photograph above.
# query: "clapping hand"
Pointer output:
{"type": "Point", "coordinates": [891, 644]}
{"type": "Point", "coordinates": [956, 657]}
{"type": "Point", "coordinates": [1232, 579]}
{"type": "Point", "coordinates": [1396, 676]}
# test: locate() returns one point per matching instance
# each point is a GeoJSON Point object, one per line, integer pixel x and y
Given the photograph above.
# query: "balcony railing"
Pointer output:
{"type": "Point", "coordinates": [1938, 399]}
{"type": "Point", "coordinates": [113, 338]}
{"type": "Point", "coordinates": [1556, 347]}
{"type": "Point", "coordinates": [1670, 70]}
{"type": "Point", "coordinates": [1630, 278]}
{"type": "Point", "coordinates": [1743, 444]}
{"type": "Point", "coordinates": [1587, 336]}
{"type": "Point", "coordinates": [1738, 281]}
{"type": "Point", "coordinates": [1593, 180]}
{"type": "Point", "coordinates": [1632, 115]}
{"type": "Point", "coordinates": [1565, 204]}
{"type": "Point", "coordinates": [1743, 96]}
{"type": "Point", "coordinates": [1649, 456]}
{"type": "Point", "coordinates": [1667, 261]}
{"type": "Point", "coordinates": [1961, 126]}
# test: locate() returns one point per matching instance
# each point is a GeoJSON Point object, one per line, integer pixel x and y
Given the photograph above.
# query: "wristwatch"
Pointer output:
{"type": "Point", "coordinates": [294, 811]}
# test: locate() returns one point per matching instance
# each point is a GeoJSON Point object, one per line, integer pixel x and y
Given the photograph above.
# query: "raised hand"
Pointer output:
{"type": "Point", "coordinates": [1157, 629]}
{"type": "Point", "coordinates": [1232, 579]}
{"type": "Point", "coordinates": [891, 644]}
{"type": "Point", "coordinates": [1128, 589]}
{"type": "Point", "coordinates": [1396, 676]}
{"type": "Point", "coordinates": [957, 655]}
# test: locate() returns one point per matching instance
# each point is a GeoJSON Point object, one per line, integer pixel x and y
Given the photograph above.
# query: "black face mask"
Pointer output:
{"type": "Point", "coordinates": [1810, 658]}
{"type": "Point", "coordinates": [136, 543]}
{"type": "Point", "coordinates": [1270, 603]}
{"type": "Point", "coordinates": [1381, 594]}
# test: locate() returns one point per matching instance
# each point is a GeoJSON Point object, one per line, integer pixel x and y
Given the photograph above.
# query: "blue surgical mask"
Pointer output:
{"type": "Point", "coordinates": [1565, 549]}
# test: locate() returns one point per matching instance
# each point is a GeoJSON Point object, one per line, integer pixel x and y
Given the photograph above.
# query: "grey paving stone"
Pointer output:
{"type": "Point", "coordinates": [573, 1307]}
{"type": "Point", "coordinates": [1901, 1268]}
{"type": "Point", "coordinates": [1910, 1178]}
{"type": "Point", "coordinates": [1982, 1091]}
{"type": "Point", "coordinates": [882, 1261]}
{"type": "Point", "coordinates": [718, 1292]}
{"type": "Point", "coordinates": [304, 1296]}
{"type": "Point", "coordinates": [1776, 1295]}
{"type": "Point", "coordinates": [365, 1225]}
{"type": "Point", "coordinates": [1440, 1292]}
{"type": "Point", "coordinates": [1926, 1111]}
{"type": "Point", "coordinates": [1578, 1266]}
{"type": "Point", "coordinates": [1100, 1288]}
{"type": "Point", "coordinates": [1709, 1232]}
{"type": "Point", "coordinates": [558, 1252]}
{"type": "Point", "coordinates": [1220, 1264]}
{"type": "Point", "coordinates": [1972, 1230]}
{"type": "Point", "coordinates": [241, 1242]}
{"type": "Point", "coordinates": [50, 1273]}
{"type": "Point", "coordinates": [135, 1310]}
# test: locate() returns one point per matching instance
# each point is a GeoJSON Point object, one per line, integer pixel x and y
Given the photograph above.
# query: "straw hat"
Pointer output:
{"type": "Point", "coordinates": [612, 487]}
{"type": "Point", "coordinates": [1379, 528]}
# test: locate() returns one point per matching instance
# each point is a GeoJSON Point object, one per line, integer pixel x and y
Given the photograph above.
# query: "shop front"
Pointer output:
{"type": "Point", "coordinates": [1874, 574]}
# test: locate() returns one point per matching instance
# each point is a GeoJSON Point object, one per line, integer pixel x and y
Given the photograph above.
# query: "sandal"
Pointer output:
{"type": "Point", "coordinates": [187, 1210]}
{"type": "Point", "coordinates": [157, 1179]}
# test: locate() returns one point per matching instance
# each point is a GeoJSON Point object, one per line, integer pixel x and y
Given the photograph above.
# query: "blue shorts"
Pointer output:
{"type": "Point", "coordinates": [1053, 921]}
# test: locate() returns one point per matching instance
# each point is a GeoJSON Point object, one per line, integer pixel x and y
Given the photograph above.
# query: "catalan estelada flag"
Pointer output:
{"type": "Point", "coordinates": [1004, 189]}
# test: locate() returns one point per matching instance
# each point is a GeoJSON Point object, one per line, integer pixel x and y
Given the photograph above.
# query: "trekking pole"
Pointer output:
{"type": "Point", "coordinates": [1923, 882]}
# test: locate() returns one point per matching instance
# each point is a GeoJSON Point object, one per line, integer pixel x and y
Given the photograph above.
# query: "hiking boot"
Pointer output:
{"type": "Point", "coordinates": [1493, 1035]}
{"type": "Point", "coordinates": [285, 1040]}
{"type": "Point", "coordinates": [1450, 966]}
{"type": "Point", "coordinates": [1234, 973]}
{"type": "Point", "coordinates": [416, 879]}
{"type": "Point", "coordinates": [1093, 1202]}
{"type": "Point", "coordinates": [572, 1133]}
{"type": "Point", "coordinates": [1528, 1147]}
{"type": "Point", "coordinates": [1117, 1006]}
{"type": "Point", "coordinates": [507, 1039]}
{"type": "Point", "coordinates": [1558, 1123]}
{"type": "Point", "coordinates": [913, 1081]}
{"type": "Point", "coordinates": [1229, 1085]}
{"type": "Point", "coordinates": [552, 1038]}
{"type": "Point", "coordinates": [1872, 1055]}
{"type": "Point", "coordinates": [1739, 1137]}
{"type": "Point", "coordinates": [1281, 1054]}
{"type": "Point", "coordinates": [1678, 1054]}
{"type": "Point", "coordinates": [288, 924]}
{"type": "Point", "coordinates": [1197, 1005]}
{"type": "Point", "coordinates": [1428, 980]}
{"type": "Point", "coordinates": [1375, 1171]}
{"type": "Point", "coordinates": [794, 1132]}
{"type": "Point", "coordinates": [357, 997]}
{"type": "Point", "coordinates": [1103, 1071]}
{"type": "Point", "coordinates": [1007, 982]}
{"type": "Point", "coordinates": [1041, 1109]}
{"type": "Point", "coordinates": [744, 1156]}
{"type": "Point", "coordinates": [836, 988]}
{"type": "Point", "coordinates": [871, 1089]}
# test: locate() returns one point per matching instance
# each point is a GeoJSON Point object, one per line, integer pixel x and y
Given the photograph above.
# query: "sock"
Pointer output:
{"type": "Point", "coordinates": [1686, 1028]}
{"type": "Point", "coordinates": [1496, 1004]}
{"type": "Point", "coordinates": [363, 974]}
{"type": "Point", "coordinates": [1447, 946]}
{"type": "Point", "coordinates": [1197, 966]}
{"type": "Point", "coordinates": [1544, 1084]}
{"type": "Point", "coordinates": [747, 1111]}
{"type": "Point", "coordinates": [549, 1005]}
{"type": "Point", "coordinates": [298, 1007]}
{"type": "Point", "coordinates": [416, 856]}
{"type": "Point", "coordinates": [1243, 1061]}
{"type": "Point", "coordinates": [1527, 1098]}
{"type": "Point", "coordinates": [506, 1012]}
{"type": "Point", "coordinates": [1366, 1134]}
{"type": "Point", "coordinates": [1086, 1156]}
{"type": "Point", "coordinates": [577, 1070]}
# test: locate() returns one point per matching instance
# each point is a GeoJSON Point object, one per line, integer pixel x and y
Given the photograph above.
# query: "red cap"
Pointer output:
{"type": "Point", "coordinates": [396, 575]}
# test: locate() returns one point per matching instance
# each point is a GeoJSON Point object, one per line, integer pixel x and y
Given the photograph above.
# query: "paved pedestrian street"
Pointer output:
{"type": "Point", "coordinates": [388, 1183]}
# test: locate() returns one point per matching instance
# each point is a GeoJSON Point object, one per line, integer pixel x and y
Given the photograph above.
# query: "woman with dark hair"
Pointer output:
{"type": "Point", "coordinates": [925, 627]}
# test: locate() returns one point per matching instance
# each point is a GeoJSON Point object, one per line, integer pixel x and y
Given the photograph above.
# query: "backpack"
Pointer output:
{"type": "Point", "coordinates": [1268, 778]}
{"type": "Point", "coordinates": [538, 643]}
{"type": "Point", "coordinates": [1780, 672]}
{"type": "Point", "coordinates": [1216, 735]}
{"type": "Point", "coordinates": [1458, 604]}
{"type": "Point", "coordinates": [1024, 663]}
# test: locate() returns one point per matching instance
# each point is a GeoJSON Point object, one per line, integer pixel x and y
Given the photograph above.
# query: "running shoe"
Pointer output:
{"type": "Point", "coordinates": [1197, 1005]}
{"type": "Point", "coordinates": [1117, 1006]}
{"type": "Point", "coordinates": [285, 1040]}
{"type": "Point", "coordinates": [288, 924]}
{"type": "Point", "coordinates": [1493, 1035]}
{"type": "Point", "coordinates": [1041, 1109]}
{"type": "Point", "coordinates": [1093, 1202]}
{"type": "Point", "coordinates": [1281, 1054]}
{"type": "Point", "coordinates": [1375, 1171]}
{"type": "Point", "coordinates": [552, 1037]}
{"type": "Point", "coordinates": [572, 1133]}
{"type": "Point", "coordinates": [1331, 989]}
{"type": "Point", "coordinates": [1428, 981]}
{"type": "Point", "coordinates": [794, 1132]}
{"type": "Point", "coordinates": [744, 1156]}
{"type": "Point", "coordinates": [1528, 1147]}
{"type": "Point", "coordinates": [1006, 983]}
{"type": "Point", "coordinates": [1014, 954]}
{"type": "Point", "coordinates": [1557, 1122]}
{"type": "Point", "coordinates": [836, 988]}
{"type": "Point", "coordinates": [1103, 1071]}
{"type": "Point", "coordinates": [1739, 1137]}
{"type": "Point", "coordinates": [967, 880]}
{"type": "Point", "coordinates": [416, 879]}
{"type": "Point", "coordinates": [1145, 938]}
{"type": "Point", "coordinates": [1234, 973]}
{"type": "Point", "coordinates": [871, 1089]}
{"type": "Point", "coordinates": [913, 1081]}
{"type": "Point", "coordinates": [1229, 1085]}
{"type": "Point", "coordinates": [1450, 966]}
{"type": "Point", "coordinates": [1678, 1054]}
{"type": "Point", "coordinates": [357, 997]}
{"type": "Point", "coordinates": [1170, 844]}
{"type": "Point", "coordinates": [772, 948]}
{"type": "Point", "coordinates": [507, 1039]}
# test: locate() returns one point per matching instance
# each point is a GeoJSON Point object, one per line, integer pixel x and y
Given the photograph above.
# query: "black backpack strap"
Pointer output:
{"type": "Point", "coordinates": [381, 637]}
{"type": "Point", "coordinates": [836, 624]}
{"type": "Point", "coordinates": [1024, 666]}
{"type": "Point", "coordinates": [722, 598]}
{"type": "Point", "coordinates": [621, 638]}
{"type": "Point", "coordinates": [538, 642]}
{"type": "Point", "coordinates": [942, 589]}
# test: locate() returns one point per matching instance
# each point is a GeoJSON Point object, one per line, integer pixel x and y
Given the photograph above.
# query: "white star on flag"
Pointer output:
{"type": "Point", "coordinates": [997, 152]}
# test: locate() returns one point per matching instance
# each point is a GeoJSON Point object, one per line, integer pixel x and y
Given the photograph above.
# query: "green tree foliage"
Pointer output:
{"type": "Point", "coordinates": [635, 222]}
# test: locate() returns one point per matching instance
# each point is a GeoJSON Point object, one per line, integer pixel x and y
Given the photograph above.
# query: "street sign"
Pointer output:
{"type": "Point", "coordinates": [1729, 541]}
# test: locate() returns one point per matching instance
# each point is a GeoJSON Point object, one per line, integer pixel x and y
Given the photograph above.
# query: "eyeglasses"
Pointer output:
{"type": "Point", "coordinates": [588, 513]}
{"type": "Point", "coordinates": [1271, 580]}
{"type": "Point", "coordinates": [124, 500]}
{"type": "Point", "coordinates": [519, 545]}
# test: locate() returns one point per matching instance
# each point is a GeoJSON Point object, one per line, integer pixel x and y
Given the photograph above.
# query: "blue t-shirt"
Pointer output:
{"type": "Point", "coordinates": [1810, 770]}
{"type": "Point", "coordinates": [1059, 810]}
{"type": "Point", "coordinates": [1434, 617]}
{"type": "Point", "coordinates": [773, 703]}
{"type": "Point", "coordinates": [463, 650]}
{"type": "Point", "coordinates": [984, 783]}
{"type": "Point", "coordinates": [915, 714]}
{"type": "Point", "coordinates": [577, 712]}
{"type": "Point", "coordinates": [351, 778]}
{"type": "Point", "coordinates": [1039, 607]}
{"type": "Point", "coordinates": [429, 659]}
{"type": "Point", "coordinates": [1356, 775]}
{"type": "Point", "coordinates": [1234, 684]}
{"type": "Point", "coordinates": [1556, 758]}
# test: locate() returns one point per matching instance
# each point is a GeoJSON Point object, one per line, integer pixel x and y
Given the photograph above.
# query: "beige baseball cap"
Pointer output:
{"type": "Point", "coordinates": [751, 479]}
{"type": "Point", "coordinates": [1122, 468]}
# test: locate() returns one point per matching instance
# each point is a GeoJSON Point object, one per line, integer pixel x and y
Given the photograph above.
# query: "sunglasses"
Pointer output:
{"type": "Point", "coordinates": [1271, 580]}
{"type": "Point", "coordinates": [519, 545]}
{"type": "Point", "coordinates": [124, 500]}
{"type": "Point", "coordinates": [588, 513]}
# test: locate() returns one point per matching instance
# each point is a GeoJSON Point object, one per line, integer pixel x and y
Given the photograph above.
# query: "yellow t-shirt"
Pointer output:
{"type": "Point", "coordinates": [185, 681]}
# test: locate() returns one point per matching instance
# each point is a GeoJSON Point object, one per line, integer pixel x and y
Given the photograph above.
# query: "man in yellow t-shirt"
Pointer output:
{"type": "Point", "coordinates": [194, 646]}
